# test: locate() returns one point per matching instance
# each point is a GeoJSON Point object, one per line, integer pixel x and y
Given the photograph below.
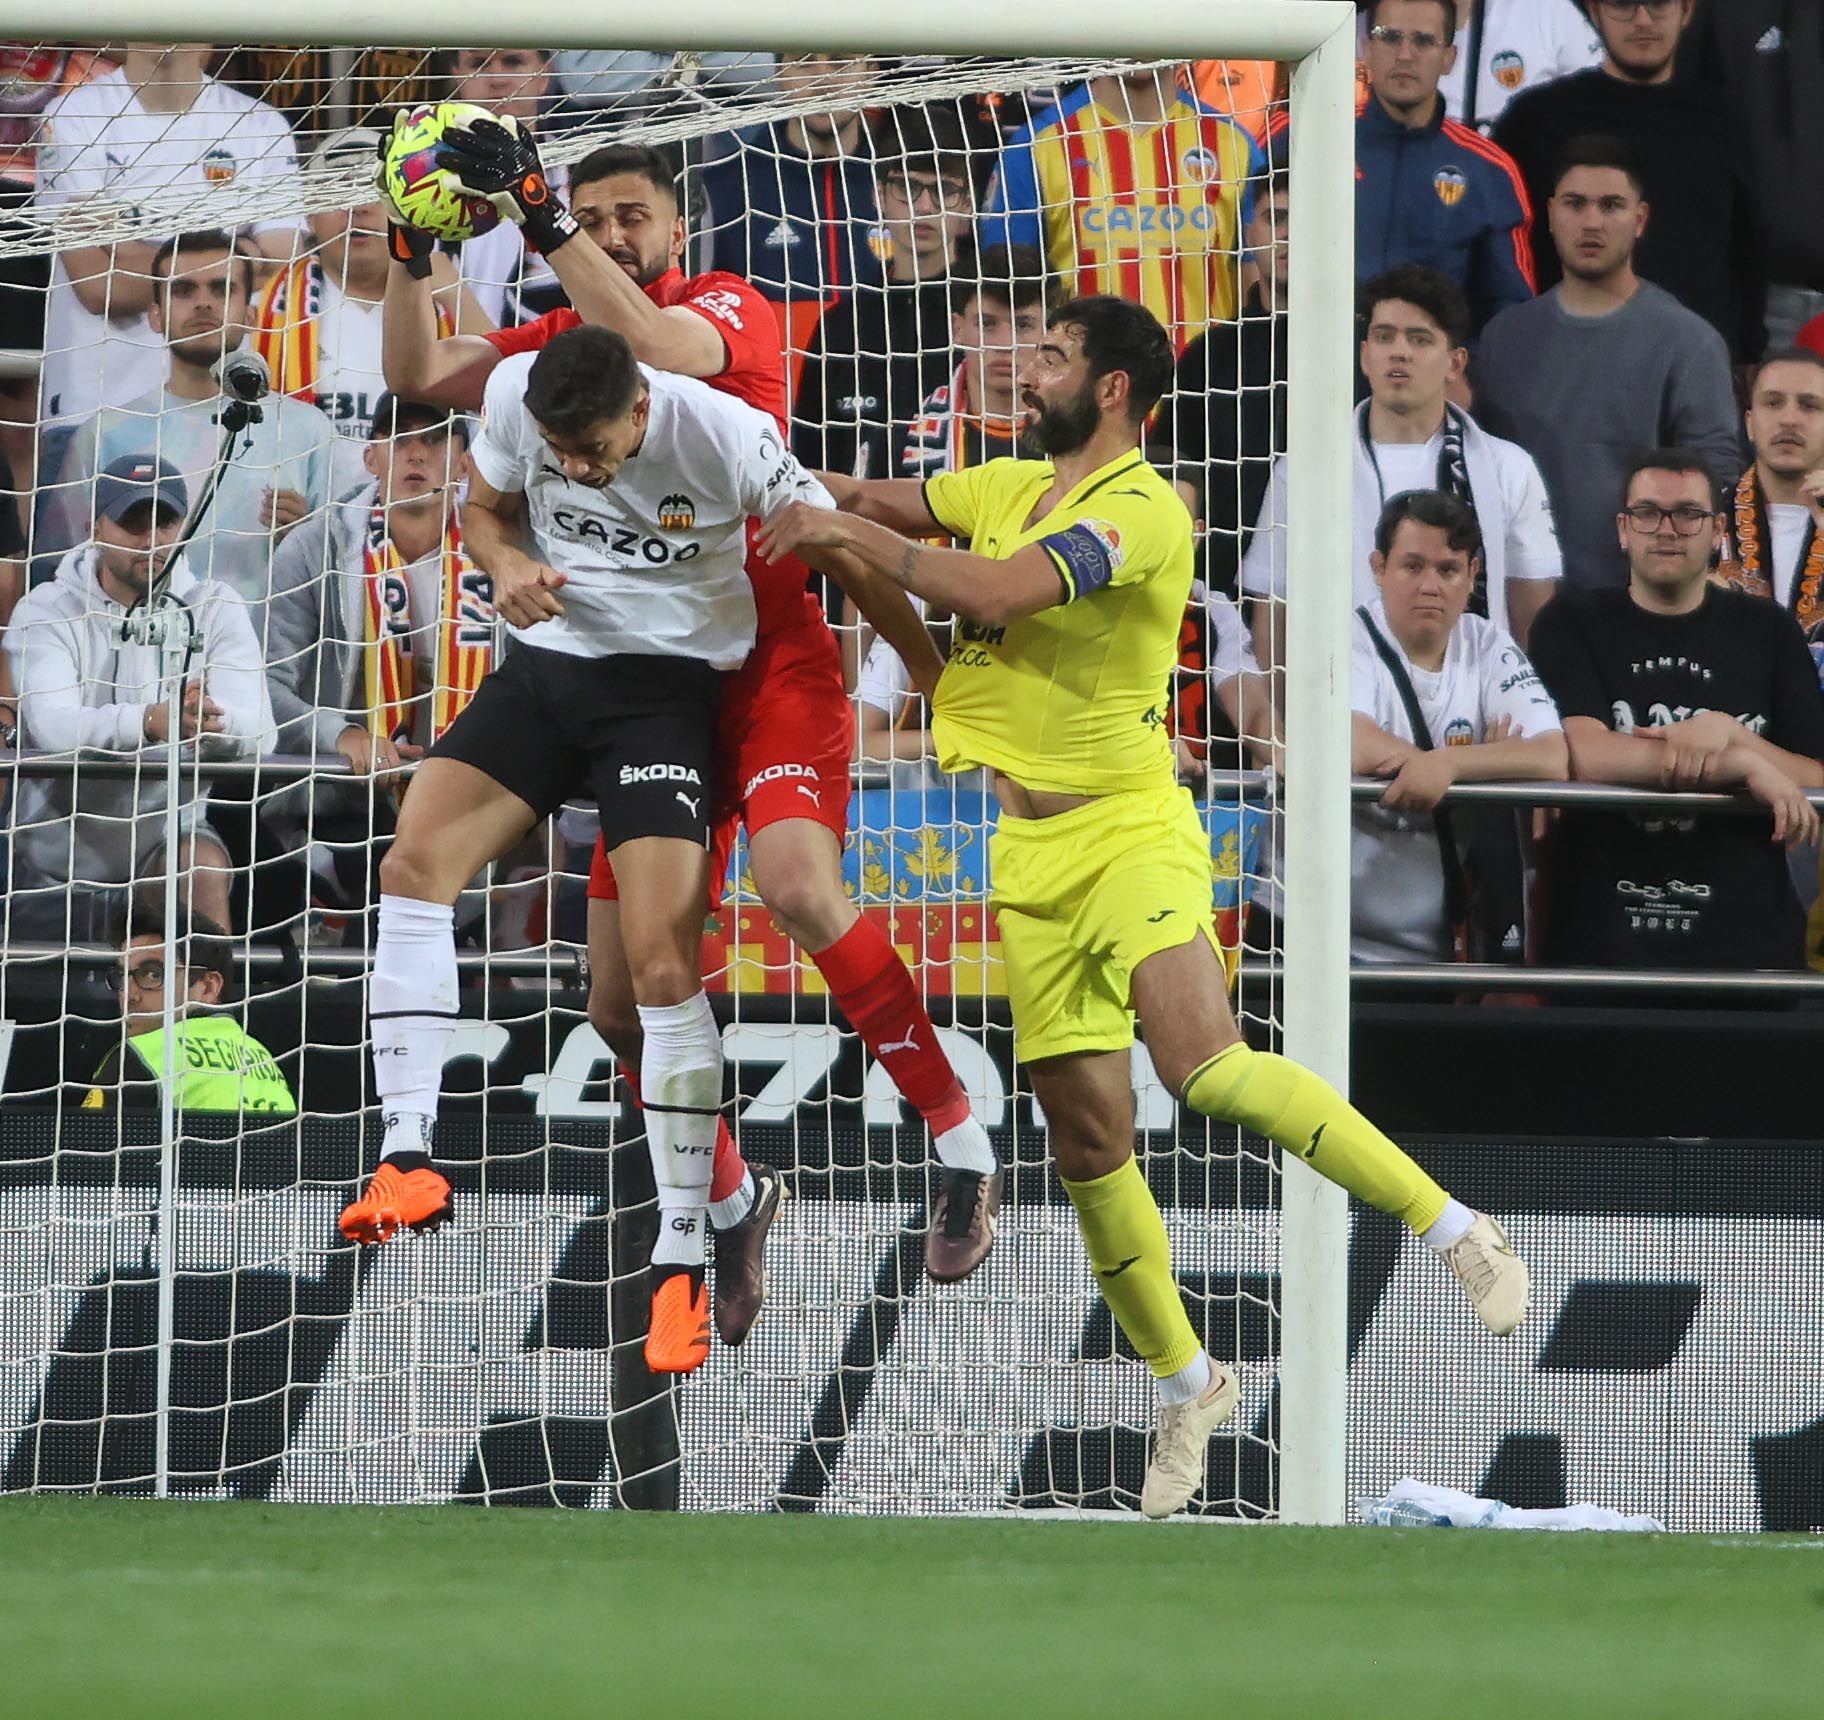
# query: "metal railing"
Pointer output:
{"type": "Point", "coordinates": [567, 964]}
{"type": "Point", "coordinates": [275, 768]}
{"type": "Point", "coordinates": [1495, 977]}
{"type": "Point", "coordinates": [1222, 785]}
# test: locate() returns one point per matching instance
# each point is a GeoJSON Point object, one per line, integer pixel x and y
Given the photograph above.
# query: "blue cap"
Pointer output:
{"type": "Point", "coordinates": [137, 478]}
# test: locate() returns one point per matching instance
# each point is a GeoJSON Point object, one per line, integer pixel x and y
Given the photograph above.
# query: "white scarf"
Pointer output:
{"type": "Point", "coordinates": [1484, 484]}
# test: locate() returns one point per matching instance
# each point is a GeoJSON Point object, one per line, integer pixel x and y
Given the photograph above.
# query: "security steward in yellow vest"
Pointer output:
{"type": "Point", "coordinates": [220, 1067]}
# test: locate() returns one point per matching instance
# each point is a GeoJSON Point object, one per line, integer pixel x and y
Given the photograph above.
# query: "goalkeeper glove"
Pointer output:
{"type": "Point", "coordinates": [406, 244]}
{"type": "Point", "coordinates": [500, 162]}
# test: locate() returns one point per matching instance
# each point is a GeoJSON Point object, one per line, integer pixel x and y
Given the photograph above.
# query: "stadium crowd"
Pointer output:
{"type": "Point", "coordinates": [1589, 482]}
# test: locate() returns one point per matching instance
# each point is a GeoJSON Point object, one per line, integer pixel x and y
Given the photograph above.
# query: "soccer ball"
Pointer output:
{"type": "Point", "coordinates": [425, 195]}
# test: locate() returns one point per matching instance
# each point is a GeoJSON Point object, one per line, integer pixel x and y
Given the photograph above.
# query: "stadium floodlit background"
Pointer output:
{"type": "Point", "coordinates": [1657, 1168]}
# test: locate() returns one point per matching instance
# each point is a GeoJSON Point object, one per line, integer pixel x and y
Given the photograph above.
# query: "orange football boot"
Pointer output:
{"type": "Point", "coordinates": [677, 1339]}
{"type": "Point", "coordinates": [397, 1200]}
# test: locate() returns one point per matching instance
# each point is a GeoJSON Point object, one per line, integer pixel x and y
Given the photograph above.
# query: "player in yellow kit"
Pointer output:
{"type": "Point", "coordinates": [1068, 601]}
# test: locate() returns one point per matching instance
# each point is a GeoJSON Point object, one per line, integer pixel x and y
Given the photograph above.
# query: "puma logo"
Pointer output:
{"type": "Point", "coordinates": [816, 797]}
{"type": "Point", "coordinates": [909, 1043]}
{"type": "Point", "coordinates": [692, 805]}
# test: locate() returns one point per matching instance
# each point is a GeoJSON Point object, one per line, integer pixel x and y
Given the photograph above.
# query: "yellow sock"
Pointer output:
{"type": "Point", "coordinates": [1306, 1115]}
{"type": "Point", "coordinates": [1125, 1237]}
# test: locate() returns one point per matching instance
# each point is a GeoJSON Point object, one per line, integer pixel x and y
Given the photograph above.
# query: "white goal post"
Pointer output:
{"type": "Point", "coordinates": [1318, 38]}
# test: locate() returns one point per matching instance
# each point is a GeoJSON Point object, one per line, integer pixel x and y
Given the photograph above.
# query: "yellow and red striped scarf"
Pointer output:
{"type": "Point", "coordinates": [465, 633]}
{"type": "Point", "coordinates": [287, 329]}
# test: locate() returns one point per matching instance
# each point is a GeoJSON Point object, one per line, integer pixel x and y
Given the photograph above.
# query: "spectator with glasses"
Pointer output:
{"type": "Point", "coordinates": [1603, 363]}
{"type": "Point", "coordinates": [1703, 244]}
{"type": "Point", "coordinates": [220, 1067]}
{"type": "Point", "coordinates": [1674, 682]}
{"type": "Point", "coordinates": [1427, 189]}
{"type": "Point", "coordinates": [878, 352]}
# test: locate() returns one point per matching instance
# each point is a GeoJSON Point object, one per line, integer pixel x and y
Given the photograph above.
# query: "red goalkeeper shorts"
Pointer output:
{"type": "Point", "coordinates": [783, 748]}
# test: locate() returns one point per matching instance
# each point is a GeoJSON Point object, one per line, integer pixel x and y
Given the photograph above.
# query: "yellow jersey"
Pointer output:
{"type": "Point", "coordinates": [1071, 700]}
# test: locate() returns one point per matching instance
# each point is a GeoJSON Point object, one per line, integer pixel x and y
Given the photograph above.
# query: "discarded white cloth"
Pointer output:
{"type": "Point", "coordinates": [1409, 1502]}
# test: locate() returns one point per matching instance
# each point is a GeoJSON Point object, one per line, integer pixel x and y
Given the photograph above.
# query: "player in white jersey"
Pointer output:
{"type": "Point", "coordinates": [609, 503]}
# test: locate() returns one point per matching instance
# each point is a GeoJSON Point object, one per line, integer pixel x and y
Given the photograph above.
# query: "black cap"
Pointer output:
{"type": "Point", "coordinates": [396, 417]}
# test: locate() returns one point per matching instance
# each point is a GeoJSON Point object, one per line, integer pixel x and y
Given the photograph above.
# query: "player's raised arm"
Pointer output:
{"type": "Point", "coordinates": [624, 212]}
{"type": "Point", "coordinates": [418, 364]}
{"type": "Point", "coordinates": [450, 370]}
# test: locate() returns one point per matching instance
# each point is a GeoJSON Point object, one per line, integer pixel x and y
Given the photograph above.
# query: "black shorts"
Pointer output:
{"type": "Point", "coordinates": [639, 733]}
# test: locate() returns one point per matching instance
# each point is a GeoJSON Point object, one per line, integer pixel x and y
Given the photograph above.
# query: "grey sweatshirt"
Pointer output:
{"type": "Point", "coordinates": [1584, 394]}
{"type": "Point", "coordinates": [83, 688]}
{"type": "Point", "coordinates": [315, 627]}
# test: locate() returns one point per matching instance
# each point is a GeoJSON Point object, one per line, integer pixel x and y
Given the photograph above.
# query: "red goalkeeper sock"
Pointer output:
{"type": "Point", "coordinates": [730, 1168]}
{"type": "Point", "coordinates": [873, 988]}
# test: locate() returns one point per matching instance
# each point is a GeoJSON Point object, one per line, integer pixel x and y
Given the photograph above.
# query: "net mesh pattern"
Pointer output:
{"type": "Point", "coordinates": [499, 1360]}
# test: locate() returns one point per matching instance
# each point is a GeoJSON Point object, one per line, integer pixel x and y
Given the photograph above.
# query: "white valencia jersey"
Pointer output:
{"type": "Point", "coordinates": [99, 144]}
{"type": "Point", "coordinates": [1524, 42]}
{"type": "Point", "coordinates": [656, 562]}
{"type": "Point", "coordinates": [1397, 909]}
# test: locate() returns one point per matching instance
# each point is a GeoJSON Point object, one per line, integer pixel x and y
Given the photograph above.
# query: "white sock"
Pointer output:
{"type": "Point", "coordinates": [1450, 1226]}
{"type": "Point", "coordinates": [681, 1088]}
{"type": "Point", "coordinates": [411, 1001]}
{"type": "Point", "coordinates": [967, 1148]}
{"type": "Point", "coordinates": [729, 1211]}
{"type": "Point", "coordinates": [1190, 1381]}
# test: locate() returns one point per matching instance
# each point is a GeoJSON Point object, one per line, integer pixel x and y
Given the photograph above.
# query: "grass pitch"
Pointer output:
{"type": "Point", "coordinates": [112, 1607]}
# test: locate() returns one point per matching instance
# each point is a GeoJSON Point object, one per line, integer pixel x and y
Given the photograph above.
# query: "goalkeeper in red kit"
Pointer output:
{"type": "Point", "coordinates": [787, 724]}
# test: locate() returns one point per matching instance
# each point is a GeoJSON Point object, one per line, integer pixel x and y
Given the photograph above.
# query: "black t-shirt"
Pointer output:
{"type": "Point", "coordinates": [1629, 890]}
{"type": "Point", "coordinates": [874, 358]}
{"type": "Point", "coordinates": [12, 539]}
{"type": "Point", "coordinates": [1229, 412]}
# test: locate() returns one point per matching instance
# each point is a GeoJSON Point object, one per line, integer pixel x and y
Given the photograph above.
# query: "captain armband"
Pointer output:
{"type": "Point", "coordinates": [1088, 555]}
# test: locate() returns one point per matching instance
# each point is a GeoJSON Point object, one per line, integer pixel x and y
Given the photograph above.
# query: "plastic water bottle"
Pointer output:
{"type": "Point", "coordinates": [1400, 1514]}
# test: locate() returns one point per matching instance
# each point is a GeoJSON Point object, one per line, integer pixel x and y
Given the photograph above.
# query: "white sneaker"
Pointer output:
{"type": "Point", "coordinates": [1483, 1261]}
{"type": "Point", "coordinates": [1181, 1439]}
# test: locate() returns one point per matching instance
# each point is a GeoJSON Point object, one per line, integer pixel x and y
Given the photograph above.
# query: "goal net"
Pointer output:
{"type": "Point", "coordinates": [178, 1311]}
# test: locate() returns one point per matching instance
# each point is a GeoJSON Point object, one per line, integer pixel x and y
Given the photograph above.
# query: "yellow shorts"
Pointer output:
{"type": "Point", "coordinates": [1082, 899]}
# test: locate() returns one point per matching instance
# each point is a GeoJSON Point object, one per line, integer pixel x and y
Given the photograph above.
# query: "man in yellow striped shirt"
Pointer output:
{"type": "Point", "coordinates": [1131, 185]}
{"type": "Point", "coordinates": [1068, 601]}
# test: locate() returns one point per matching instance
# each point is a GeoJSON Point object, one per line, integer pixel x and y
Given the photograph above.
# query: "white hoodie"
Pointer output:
{"type": "Point", "coordinates": [82, 688]}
